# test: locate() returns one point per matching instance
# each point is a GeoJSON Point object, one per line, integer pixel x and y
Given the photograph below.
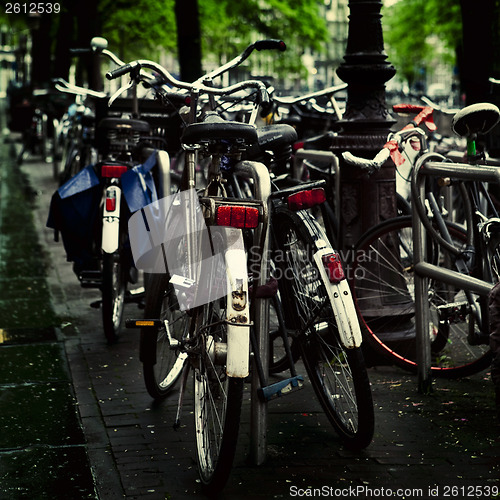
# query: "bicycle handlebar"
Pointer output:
{"type": "Point", "coordinates": [269, 44]}
{"type": "Point", "coordinates": [64, 86]}
{"type": "Point", "coordinates": [391, 147]}
{"type": "Point", "coordinates": [288, 100]}
{"type": "Point", "coordinates": [167, 77]}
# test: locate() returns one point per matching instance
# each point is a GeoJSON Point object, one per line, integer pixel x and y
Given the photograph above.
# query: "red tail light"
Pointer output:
{"type": "Point", "coordinates": [115, 171]}
{"type": "Point", "coordinates": [110, 200]}
{"type": "Point", "coordinates": [237, 216]}
{"type": "Point", "coordinates": [333, 267]}
{"type": "Point", "coordinates": [306, 199]}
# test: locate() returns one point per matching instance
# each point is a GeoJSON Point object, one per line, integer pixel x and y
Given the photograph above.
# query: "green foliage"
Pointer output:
{"type": "Point", "coordinates": [138, 28]}
{"type": "Point", "coordinates": [414, 28]}
{"type": "Point", "coordinates": [143, 28]}
{"type": "Point", "coordinates": [228, 26]}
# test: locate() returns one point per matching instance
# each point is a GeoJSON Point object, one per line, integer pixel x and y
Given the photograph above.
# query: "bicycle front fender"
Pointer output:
{"type": "Point", "coordinates": [111, 219]}
{"type": "Point", "coordinates": [342, 304]}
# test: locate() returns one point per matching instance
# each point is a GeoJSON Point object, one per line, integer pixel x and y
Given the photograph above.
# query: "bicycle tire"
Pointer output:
{"type": "Point", "coordinates": [382, 284]}
{"type": "Point", "coordinates": [113, 289]}
{"type": "Point", "coordinates": [162, 364]}
{"type": "Point", "coordinates": [45, 147]}
{"type": "Point", "coordinates": [218, 397]}
{"type": "Point", "coordinates": [338, 374]}
{"type": "Point", "coordinates": [278, 359]}
{"type": "Point", "coordinates": [71, 166]}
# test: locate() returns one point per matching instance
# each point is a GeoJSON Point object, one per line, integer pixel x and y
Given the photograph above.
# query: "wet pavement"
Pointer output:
{"type": "Point", "coordinates": [76, 421]}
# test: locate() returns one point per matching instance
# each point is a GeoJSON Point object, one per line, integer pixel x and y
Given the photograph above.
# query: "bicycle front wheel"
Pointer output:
{"type": "Point", "coordinates": [383, 284]}
{"type": "Point", "coordinates": [114, 287]}
{"type": "Point", "coordinates": [338, 374]}
{"type": "Point", "coordinates": [160, 350]}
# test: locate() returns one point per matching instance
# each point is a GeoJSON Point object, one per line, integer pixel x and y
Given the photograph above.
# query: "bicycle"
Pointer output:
{"type": "Point", "coordinates": [214, 337]}
{"type": "Point", "coordinates": [92, 208]}
{"type": "Point", "coordinates": [42, 108]}
{"type": "Point", "coordinates": [395, 259]}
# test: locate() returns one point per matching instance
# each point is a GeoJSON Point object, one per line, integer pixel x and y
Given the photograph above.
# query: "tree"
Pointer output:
{"type": "Point", "coordinates": [228, 25]}
{"type": "Point", "coordinates": [468, 31]}
{"type": "Point", "coordinates": [188, 39]}
{"type": "Point", "coordinates": [410, 31]}
{"type": "Point", "coordinates": [145, 28]}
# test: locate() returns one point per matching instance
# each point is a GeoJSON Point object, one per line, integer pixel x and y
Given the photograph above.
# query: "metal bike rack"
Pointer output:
{"type": "Point", "coordinates": [424, 270]}
{"type": "Point", "coordinates": [258, 426]}
{"type": "Point", "coordinates": [321, 156]}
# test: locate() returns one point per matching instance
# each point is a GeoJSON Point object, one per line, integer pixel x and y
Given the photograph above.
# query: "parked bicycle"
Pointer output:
{"type": "Point", "coordinates": [187, 328]}
{"type": "Point", "coordinates": [91, 209]}
{"type": "Point", "coordinates": [459, 260]}
{"type": "Point", "coordinates": [74, 146]}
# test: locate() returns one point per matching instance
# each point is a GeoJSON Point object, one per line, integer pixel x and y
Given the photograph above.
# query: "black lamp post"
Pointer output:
{"type": "Point", "coordinates": [365, 201]}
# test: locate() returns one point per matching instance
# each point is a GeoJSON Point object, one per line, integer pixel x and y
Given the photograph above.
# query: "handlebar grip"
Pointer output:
{"type": "Point", "coordinates": [123, 70]}
{"type": "Point", "coordinates": [370, 166]}
{"type": "Point", "coordinates": [270, 44]}
{"type": "Point", "coordinates": [263, 98]}
{"type": "Point", "coordinates": [80, 51]}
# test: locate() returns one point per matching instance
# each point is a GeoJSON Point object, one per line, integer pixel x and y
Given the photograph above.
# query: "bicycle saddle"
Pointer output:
{"type": "Point", "coordinates": [277, 138]}
{"type": "Point", "coordinates": [475, 119]}
{"type": "Point", "coordinates": [124, 124]}
{"type": "Point", "coordinates": [274, 137]}
{"type": "Point", "coordinates": [215, 128]}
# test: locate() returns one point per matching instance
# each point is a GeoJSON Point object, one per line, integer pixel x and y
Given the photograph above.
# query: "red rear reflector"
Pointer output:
{"type": "Point", "coordinates": [333, 267]}
{"type": "Point", "coordinates": [110, 204]}
{"type": "Point", "coordinates": [113, 170]}
{"type": "Point", "coordinates": [306, 199]}
{"type": "Point", "coordinates": [240, 217]}
{"type": "Point", "coordinates": [110, 200]}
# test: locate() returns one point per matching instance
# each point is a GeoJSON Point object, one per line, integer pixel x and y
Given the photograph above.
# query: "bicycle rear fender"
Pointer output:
{"type": "Point", "coordinates": [238, 313]}
{"type": "Point", "coordinates": [342, 304]}
{"type": "Point", "coordinates": [111, 220]}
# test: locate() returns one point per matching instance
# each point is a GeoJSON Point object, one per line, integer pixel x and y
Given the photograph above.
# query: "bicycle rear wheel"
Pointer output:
{"type": "Point", "coordinates": [382, 283]}
{"type": "Point", "coordinates": [162, 361]}
{"type": "Point", "coordinates": [338, 374]}
{"type": "Point", "coordinates": [217, 396]}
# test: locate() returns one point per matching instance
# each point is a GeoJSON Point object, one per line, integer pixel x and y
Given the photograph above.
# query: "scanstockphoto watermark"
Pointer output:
{"type": "Point", "coordinates": [286, 264]}
{"type": "Point", "coordinates": [171, 236]}
{"type": "Point", "coordinates": [367, 492]}
{"type": "Point", "coordinates": [361, 491]}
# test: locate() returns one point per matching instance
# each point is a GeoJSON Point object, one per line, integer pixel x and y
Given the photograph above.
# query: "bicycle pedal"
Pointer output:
{"type": "Point", "coordinates": [90, 279]}
{"type": "Point", "coordinates": [282, 388]}
{"type": "Point", "coordinates": [143, 323]}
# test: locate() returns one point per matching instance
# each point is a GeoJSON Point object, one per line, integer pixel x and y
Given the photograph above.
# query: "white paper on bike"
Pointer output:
{"type": "Point", "coordinates": [170, 236]}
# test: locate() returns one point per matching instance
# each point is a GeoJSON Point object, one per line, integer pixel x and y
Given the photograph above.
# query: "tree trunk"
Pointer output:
{"type": "Point", "coordinates": [476, 57]}
{"type": "Point", "coordinates": [87, 19]}
{"type": "Point", "coordinates": [41, 52]}
{"type": "Point", "coordinates": [188, 39]}
{"type": "Point", "coordinates": [64, 40]}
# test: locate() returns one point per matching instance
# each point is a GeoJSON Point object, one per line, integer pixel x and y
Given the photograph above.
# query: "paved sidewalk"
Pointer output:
{"type": "Point", "coordinates": [447, 439]}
